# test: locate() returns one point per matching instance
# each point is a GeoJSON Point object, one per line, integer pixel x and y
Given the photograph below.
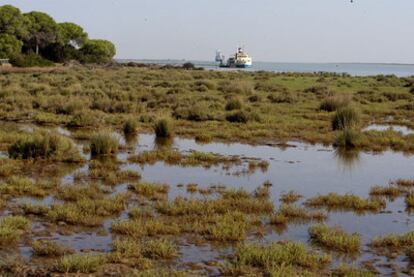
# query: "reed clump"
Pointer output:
{"type": "Point", "coordinates": [163, 128]}
{"type": "Point", "coordinates": [345, 118]}
{"type": "Point", "coordinates": [104, 144]}
{"type": "Point", "coordinates": [130, 127]}
{"type": "Point", "coordinates": [348, 138]}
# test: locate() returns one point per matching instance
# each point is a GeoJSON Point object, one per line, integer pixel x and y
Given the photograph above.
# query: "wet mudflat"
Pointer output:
{"type": "Point", "coordinates": [202, 202]}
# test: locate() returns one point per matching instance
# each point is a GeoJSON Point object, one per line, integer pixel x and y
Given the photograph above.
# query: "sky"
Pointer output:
{"type": "Point", "coordinates": [270, 30]}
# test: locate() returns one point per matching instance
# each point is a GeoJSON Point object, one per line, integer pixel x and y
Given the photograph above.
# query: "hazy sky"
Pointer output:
{"type": "Point", "coordinates": [271, 30]}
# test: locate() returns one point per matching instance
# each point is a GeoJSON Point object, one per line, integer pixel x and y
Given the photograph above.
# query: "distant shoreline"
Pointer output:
{"type": "Point", "coordinates": [268, 62]}
{"type": "Point", "coordinates": [353, 69]}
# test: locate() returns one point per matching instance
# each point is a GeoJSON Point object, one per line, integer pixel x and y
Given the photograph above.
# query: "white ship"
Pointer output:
{"type": "Point", "coordinates": [240, 60]}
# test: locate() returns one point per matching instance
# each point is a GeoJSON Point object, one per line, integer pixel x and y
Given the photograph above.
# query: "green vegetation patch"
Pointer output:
{"type": "Point", "coordinates": [334, 238]}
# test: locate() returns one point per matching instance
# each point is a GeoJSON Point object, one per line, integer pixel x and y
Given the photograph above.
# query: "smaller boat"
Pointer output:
{"type": "Point", "coordinates": [240, 59]}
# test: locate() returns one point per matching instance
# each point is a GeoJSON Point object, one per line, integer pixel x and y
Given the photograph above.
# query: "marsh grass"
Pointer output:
{"type": "Point", "coordinates": [81, 97]}
{"type": "Point", "coordinates": [404, 182]}
{"type": "Point", "coordinates": [104, 144]}
{"type": "Point", "coordinates": [159, 249]}
{"type": "Point", "coordinates": [49, 248]}
{"type": "Point", "coordinates": [130, 127]}
{"type": "Point", "coordinates": [230, 201]}
{"type": "Point", "coordinates": [290, 197]}
{"type": "Point", "coordinates": [195, 158]}
{"type": "Point", "coordinates": [289, 213]}
{"type": "Point", "coordinates": [77, 192]}
{"type": "Point", "coordinates": [393, 243]}
{"type": "Point", "coordinates": [346, 202]}
{"type": "Point", "coordinates": [18, 186]}
{"type": "Point", "coordinates": [192, 188]}
{"type": "Point", "coordinates": [348, 138]}
{"type": "Point", "coordinates": [79, 263]}
{"type": "Point", "coordinates": [87, 212]}
{"type": "Point", "coordinates": [163, 128]}
{"type": "Point", "coordinates": [351, 271]}
{"type": "Point", "coordinates": [335, 102]}
{"type": "Point", "coordinates": [389, 191]}
{"type": "Point", "coordinates": [11, 229]}
{"type": "Point", "coordinates": [233, 104]}
{"type": "Point", "coordinates": [9, 167]}
{"type": "Point", "coordinates": [262, 192]}
{"type": "Point", "coordinates": [345, 118]}
{"type": "Point", "coordinates": [334, 238]}
{"type": "Point", "coordinates": [273, 256]}
{"type": "Point", "coordinates": [225, 228]}
{"type": "Point", "coordinates": [409, 200]}
{"type": "Point", "coordinates": [149, 189]}
{"type": "Point", "coordinates": [45, 145]}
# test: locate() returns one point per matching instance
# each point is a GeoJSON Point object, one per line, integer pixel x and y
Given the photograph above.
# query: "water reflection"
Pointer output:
{"type": "Point", "coordinates": [163, 143]}
{"type": "Point", "coordinates": [348, 159]}
{"type": "Point", "coordinates": [131, 139]}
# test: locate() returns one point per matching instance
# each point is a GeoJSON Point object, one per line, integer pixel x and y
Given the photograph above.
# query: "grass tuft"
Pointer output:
{"type": "Point", "coordinates": [335, 238]}
{"type": "Point", "coordinates": [45, 145]}
{"type": "Point", "coordinates": [345, 118]}
{"type": "Point", "coordinates": [79, 263]}
{"type": "Point", "coordinates": [346, 202]}
{"type": "Point", "coordinates": [104, 144]}
{"type": "Point", "coordinates": [163, 128]}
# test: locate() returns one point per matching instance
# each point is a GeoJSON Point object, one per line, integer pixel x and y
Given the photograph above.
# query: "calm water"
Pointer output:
{"type": "Point", "coordinates": [355, 69]}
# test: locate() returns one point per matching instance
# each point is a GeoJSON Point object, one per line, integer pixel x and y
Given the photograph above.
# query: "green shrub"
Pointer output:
{"type": "Point", "coordinates": [45, 145]}
{"type": "Point", "coordinates": [29, 60]}
{"type": "Point", "coordinates": [130, 127]}
{"type": "Point", "coordinates": [233, 104]}
{"type": "Point", "coordinates": [163, 128]}
{"type": "Point", "coordinates": [345, 118]}
{"type": "Point", "coordinates": [104, 144]}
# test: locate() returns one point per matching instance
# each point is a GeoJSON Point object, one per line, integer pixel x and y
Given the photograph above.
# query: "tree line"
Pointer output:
{"type": "Point", "coordinates": [35, 38]}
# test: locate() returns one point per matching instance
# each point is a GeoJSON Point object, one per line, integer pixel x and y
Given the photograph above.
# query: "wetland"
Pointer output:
{"type": "Point", "coordinates": [151, 171]}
